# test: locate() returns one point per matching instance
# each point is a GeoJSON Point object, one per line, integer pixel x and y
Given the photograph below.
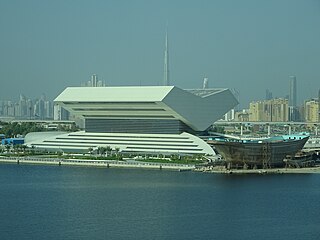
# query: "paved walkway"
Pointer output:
{"type": "Point", "coordinates": [97, 163]}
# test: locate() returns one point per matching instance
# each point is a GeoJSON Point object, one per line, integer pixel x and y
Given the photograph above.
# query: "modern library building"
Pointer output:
{"type": "Point", "coordinates": [140, 119]}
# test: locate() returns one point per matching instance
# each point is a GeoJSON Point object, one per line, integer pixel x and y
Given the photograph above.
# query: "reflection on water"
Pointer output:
{"type": "Point", "coordinates": [52, 202]}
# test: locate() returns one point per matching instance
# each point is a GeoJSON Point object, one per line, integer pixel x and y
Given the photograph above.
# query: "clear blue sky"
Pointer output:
{"type": "Point", "coordinates": [249, 45]}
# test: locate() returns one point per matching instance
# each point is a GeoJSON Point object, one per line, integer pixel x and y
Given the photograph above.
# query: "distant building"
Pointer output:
{"type": "Point", "coordinates": [230, 116]}
{"type": "Point", "coordinates": [293, 111]}
{"type": "Point", "coordinates": [279, 110]}
{"type": "Point", "coordinates": [311, 110]}
{"type": "Point", "coordinates": [319, 106]}
{"type": "Point", "coordinates": [12, 141]}
{"type": "Point", "coordinates": [8, 109]}
{"type": "Point", "coordinates": [274, 110]}
{"type": "Point", "coordinates": [242, 116]}
{"type": "Point", "coordinates": [166, 75]}
{"type": "Point", "coordinates": [59, 113]}
{"type": "Point", "coordinates": [205, 83]}
{"type": "Point", "coordinates": [293, 92]}
{"type": "Point", "coordinates": [27, 109]}
{"type": "Point", "coordinates": [256, 111]}
{"type": "Point", "coordinates": [48, 110]}
{"type": "Point", "coordinates": [94, 82]}
{"type": "Point", "coordinates": [268, 95]}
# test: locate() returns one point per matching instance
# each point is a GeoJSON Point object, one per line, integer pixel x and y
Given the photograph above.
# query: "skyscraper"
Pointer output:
{"type": "Point", "coordinates": [293, 92]}
{"type": "Point", "coordinates": [166, 79]}
{"type": "Point", "coordinates": [94, 80]}
{"type": "Point", "coordinates": [268, 95]}
{"type": "Point", "coordinates": [293, 99]}
{"type": "Point", "coordinates": [205, 83]}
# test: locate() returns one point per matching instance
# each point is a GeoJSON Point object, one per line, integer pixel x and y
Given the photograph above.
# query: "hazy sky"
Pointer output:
{"type": "Point", "coordinates": [249, 45]}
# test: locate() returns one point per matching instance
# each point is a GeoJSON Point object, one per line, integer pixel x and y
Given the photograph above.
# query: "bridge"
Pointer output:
{"type": "Point", "coordinates": [268, 124]}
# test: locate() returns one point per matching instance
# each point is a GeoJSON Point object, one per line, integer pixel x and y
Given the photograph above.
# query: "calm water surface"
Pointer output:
{"type": "Point", "coordinates": [52, 202]}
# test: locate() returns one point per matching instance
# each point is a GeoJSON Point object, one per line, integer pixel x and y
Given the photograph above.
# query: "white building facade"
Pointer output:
{"type": "Point", "coordinates": [155, 119]}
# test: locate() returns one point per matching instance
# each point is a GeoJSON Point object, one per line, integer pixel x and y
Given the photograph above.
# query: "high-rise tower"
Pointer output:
{"type": "Point", "coordinates": [94, 80]}
{"type": "Point", "coordinates": [293, 92]}
{"type": "Point", "coordinates": [293, 99]}
{"type": "Point", "coordinates": [166, 79]}
{"type": "Point", "coordinates": [205, 83]}
{"type": "Point", "coordinates": [268, 94]}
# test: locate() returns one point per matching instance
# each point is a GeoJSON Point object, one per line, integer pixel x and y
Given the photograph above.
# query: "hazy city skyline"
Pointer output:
{"type": "Point", "coordinates": [247, 45]}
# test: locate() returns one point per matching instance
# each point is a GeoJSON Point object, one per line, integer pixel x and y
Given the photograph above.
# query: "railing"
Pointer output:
{"type": "Point", "coordinates": [96, 162]}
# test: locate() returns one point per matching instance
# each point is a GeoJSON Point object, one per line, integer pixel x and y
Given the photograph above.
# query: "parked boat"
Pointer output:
{"type": "Point", "coordinates": [265, 153]}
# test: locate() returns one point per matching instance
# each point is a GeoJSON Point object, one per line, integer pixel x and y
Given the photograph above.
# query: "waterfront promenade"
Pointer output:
{"type": "Point", "coordinates": [222, 170]}
{"type": "Point", "coordinates": [154, 165]}
{"type": "Point", "coordinates": [97, 163]}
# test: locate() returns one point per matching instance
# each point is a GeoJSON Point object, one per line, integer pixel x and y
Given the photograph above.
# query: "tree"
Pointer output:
{"type": "Point", "coordinates": [101, 150]}
{"type": "Point", "coordinates": [8, 147]}
{"type": "Point", "coordinates": [15, 128]}
{"type": "Point", "coordinates": [24, 147]}
{"type": "Point", "coordinates": [17, 148]}
{"type": "Point", "coordinates": [108, 149]}
{"type": "Point", "coordinates": [32, 150]}
{"type": "Point", "coordinates": [90, 150]}
{"type": "Point", "coordinates": [74, 128]}
{"type": "Point", "coordinates": [117, 149]}
{"type": "Point", "coordinates": [219, 129]}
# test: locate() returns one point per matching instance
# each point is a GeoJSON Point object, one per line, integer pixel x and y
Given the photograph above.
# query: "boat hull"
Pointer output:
{"type": "Point", "coordinates": [260, 154]}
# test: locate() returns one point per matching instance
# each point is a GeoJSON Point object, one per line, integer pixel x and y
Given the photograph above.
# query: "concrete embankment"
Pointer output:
{"type": "Point", "coordinates": [148, 165]}
{"type": "Point", "coordinates": [220, 170]}
{"type": "Point", "coordinates": [96, 163]}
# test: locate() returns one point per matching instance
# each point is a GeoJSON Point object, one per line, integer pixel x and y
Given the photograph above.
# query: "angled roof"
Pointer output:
{"type": "Point", "coordinates": [200, 108]}
{"type": "Point", "coordinates": [196, 108]}
{"type": "Point", "coordinates": [114, 94]}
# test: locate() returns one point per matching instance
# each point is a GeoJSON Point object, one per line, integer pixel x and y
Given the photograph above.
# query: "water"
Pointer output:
{"type": "Point", "coordinates": [52, 202]}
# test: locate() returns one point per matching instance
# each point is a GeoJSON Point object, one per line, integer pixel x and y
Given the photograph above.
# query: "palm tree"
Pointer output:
{"type": "Point", "coordinates": [108, 149]}
{"type": "Point", "coordinates": [60, 153]}
{"type": "Point", "coordinates": [17, 147]}
{"type": "Point", "coordinates": [8, 147]}
{"type": "Point", "coordinates": [24, 147]}
{"type": "Point", "coordinates": [32, 149]}
{"type": "Point", "coordinates": [101, 150]}
{"type": "Point", "coordinates": [118, 153]}
{"type": "Point", "coordinates": [117, 149]}
{"type": "Point", "coordinates": [90, 150]}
